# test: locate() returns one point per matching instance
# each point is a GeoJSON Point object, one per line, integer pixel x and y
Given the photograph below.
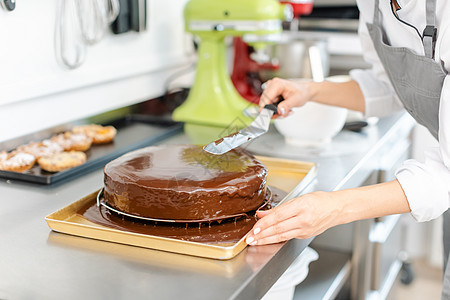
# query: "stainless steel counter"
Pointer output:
{"type": "Point", "coordinates": [36, 263]}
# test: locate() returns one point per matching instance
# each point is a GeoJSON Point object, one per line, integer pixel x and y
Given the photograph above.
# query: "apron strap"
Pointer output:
{"type": "Point", "coordinates": [446, 243]}
{"type": "Point", "coordinates": [446, 284]}
{"type": "Point", "coordinates": [376, 13]}
{"type": "Point", "coordinates": [430, 31]}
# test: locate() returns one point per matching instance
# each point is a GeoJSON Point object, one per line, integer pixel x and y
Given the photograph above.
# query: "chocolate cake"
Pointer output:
{"type": "Point", "coordinates": [183, 182]}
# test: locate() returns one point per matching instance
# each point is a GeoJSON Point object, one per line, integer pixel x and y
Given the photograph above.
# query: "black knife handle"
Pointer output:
{"type": "Point", "coordinates": [274, 106]}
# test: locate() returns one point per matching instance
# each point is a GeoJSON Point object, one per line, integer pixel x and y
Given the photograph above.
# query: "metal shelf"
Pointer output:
{"type": "Point", "coordinates": [326, 276]}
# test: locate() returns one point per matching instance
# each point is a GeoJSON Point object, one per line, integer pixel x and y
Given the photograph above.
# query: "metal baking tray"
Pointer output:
{"type": "Point", "coordinates": [132, 133]}
{"type": "Point", "coordinates": [291, 176]}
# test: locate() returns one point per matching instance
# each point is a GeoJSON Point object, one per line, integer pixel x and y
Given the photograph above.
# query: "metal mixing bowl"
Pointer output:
{"type": "Point", "coordinates": [299, 57]}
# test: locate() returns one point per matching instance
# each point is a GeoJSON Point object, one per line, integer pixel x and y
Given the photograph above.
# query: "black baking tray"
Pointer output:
{"type": "Point", "coordinates": [133, 132]}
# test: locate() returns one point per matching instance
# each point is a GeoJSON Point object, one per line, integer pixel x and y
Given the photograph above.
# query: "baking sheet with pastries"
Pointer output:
{"type": "Point", "coordinates": [130, 135]}
{"type": "Point", "coordinates": [291, 176]}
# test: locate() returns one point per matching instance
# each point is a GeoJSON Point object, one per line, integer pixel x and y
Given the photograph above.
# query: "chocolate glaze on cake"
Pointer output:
{"type": "Point", "coordinates": [183, 182]}
{"type": "Point", "coordinates": [226, 232]}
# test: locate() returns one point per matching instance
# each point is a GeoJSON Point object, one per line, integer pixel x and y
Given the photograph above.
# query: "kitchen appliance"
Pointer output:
{"type": "Point", "coordinates": [245, 75]}
{"type": "Point", "coordinates": [213, 100]}
{"type": "Point", "coordinates": [247, 68]}
{"type": "Point", "coordinates": [332, 16]}
{"type": "Point", "coordinates": [300, 7]}
{"type": "Point", "coordinates": [258, 127]}
{"type": "Point", "coordinates": [299, 57]}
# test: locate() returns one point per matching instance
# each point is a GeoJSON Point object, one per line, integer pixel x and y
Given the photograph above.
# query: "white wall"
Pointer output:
{"type": "Point", "coordinates": [36, 92]}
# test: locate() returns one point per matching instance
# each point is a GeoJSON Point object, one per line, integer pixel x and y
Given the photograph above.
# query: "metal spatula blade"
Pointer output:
{"type": "Point", "coordinates": [258, 127]}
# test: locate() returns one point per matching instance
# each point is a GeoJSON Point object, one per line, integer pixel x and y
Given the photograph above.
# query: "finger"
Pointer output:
{"type": "Point", "coordinates": [275, 229]}
{"type": "Point", "coordinates": [285, 236]}
{"type": "Point", "coordinates": [277, 116]}
{"type": "Point", "coordinates": [262, 213]}
{"type": "Point", "coordinates": [274, 88]}
{"type": "Point", "coordinates": [264, 100]}
{"type": "Point", "coordinates": [285, 107]}
{"type": "Point", "coordinates": [276, 215]}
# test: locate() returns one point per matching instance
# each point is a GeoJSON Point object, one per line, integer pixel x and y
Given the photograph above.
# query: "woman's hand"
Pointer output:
{"type": "Point", "coordinates": [312, 214]}
{"type": "Point", "coordinates": [302, 217]}
{"type": "Point", "coordinates": [295, 93]}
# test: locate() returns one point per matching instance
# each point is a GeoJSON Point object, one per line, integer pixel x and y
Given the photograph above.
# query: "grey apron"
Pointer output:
{"type": "Point", "coordinates": [418, 82]}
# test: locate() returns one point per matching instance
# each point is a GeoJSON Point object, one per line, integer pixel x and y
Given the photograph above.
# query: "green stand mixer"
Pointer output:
{"type": "Point", "coordinates": [213, 100]}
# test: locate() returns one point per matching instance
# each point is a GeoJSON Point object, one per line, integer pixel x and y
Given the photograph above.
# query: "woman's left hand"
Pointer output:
{"type": "Point", "coordinates": [302, 217]}
{"type": "Point", "coordinates": [312, 214]}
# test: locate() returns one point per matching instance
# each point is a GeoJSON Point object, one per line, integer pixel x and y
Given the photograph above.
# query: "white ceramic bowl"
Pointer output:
{"type": "Point", "coordinates": [314, 124]}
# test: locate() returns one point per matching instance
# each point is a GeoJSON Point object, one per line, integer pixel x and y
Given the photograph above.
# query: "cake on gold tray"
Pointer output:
{"type": "Point", "coordinates": [144, 183]}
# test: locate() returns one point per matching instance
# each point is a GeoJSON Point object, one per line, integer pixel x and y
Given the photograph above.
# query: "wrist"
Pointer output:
{"type": "Point", "coordinates": [340, 208]}
{"type": "Point", "coordinates": [348, 205]}
{"type": "Point", "coordinates": [332, 204]}
{"type": "Point", "coordinates": [313, 91]}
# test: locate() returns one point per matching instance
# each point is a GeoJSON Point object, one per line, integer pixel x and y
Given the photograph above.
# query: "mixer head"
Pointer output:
{"type": "Point", "coordinates": [235, 17]}
{"type": "Point", "coordinates": [213, 100]}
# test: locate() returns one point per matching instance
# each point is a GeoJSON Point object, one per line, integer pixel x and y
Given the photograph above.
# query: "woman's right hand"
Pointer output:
{"type": "Point", "coordinates": [295, 94]}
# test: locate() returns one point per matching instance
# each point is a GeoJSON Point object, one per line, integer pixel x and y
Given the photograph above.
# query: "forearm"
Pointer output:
{"type": "Point", "coordinates": [342, 94]}
{"type": "Point", "coordinates": [371, 202]}
{"type": "Point", "coordinates": [311, 214]}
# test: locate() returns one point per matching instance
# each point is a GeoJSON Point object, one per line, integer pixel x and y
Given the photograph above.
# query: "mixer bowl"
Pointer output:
{"type": "Point", "coordinates": [292, 52]}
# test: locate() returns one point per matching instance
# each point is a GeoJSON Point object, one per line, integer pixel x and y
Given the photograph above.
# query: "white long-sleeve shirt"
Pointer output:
{"type": "Point", "coordinates": [426, 185]}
